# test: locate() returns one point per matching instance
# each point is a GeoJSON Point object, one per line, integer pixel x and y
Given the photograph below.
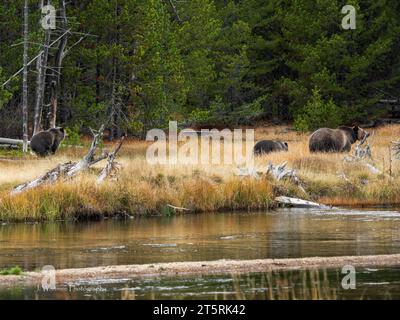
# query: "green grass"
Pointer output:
{"type": "Point", "coordinates": [13, 271]}
{"type": "Point", "coordinates": [11, 153]}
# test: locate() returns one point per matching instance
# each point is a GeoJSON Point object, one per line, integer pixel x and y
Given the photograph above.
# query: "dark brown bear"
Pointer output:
{"type": "Point", "coordinates": [335, 140]}
{"type": "Point", "coordinates": [47, 142]}
{"type": "Point", "coordinates": [268, 146]}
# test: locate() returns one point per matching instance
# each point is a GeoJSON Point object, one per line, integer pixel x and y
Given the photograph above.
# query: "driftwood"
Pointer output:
{"type": "Point", "coordinates": [281, 172]}
{"type": "Point", "coordinates": [11, 142]}
{"type": "Point", "coordinates": [69, 170]}
{"type": "Point", "coordinates": [278, 172]}
{"type": "Point", "coordinates": [111, 166]}
{"type": "Point", "coordinates": [177, 208]}
{"type": "Point", "coordinates": [362, 154]}
{"type": "Point", "coordinates": [248, 172]}
{"type": "Point", "coordinates": [299, 203]}
{"type": "Point", "coordinates": [396, 149]}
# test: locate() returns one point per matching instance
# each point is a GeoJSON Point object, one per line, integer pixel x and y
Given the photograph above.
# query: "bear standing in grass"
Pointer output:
{"type": "Point", "coordinates": [47, 142]}
{"type": "Point", "coordinates": [268, 146]}
{"type": "Point", "coordinates": [336, 140]}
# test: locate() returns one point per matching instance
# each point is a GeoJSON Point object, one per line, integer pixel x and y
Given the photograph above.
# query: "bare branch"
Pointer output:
{"type": "Point", "coordinates": [111, 165]}
{"type": "Point", "coordinates": [67, 170]}
{"type": "Point", "coordinates": [34, 59]}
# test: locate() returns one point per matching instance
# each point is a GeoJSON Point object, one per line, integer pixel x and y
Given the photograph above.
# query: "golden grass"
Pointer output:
{"type": "Point", "coordinates": [145, 189]}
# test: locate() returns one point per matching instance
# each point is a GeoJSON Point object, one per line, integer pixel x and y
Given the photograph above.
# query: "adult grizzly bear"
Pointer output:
{"type": "Point", "coordinates": [47, 142]}
{"type": "Point", "coordinates": [268, 146]}
{"type": "Point", "coordinates": [335, 140]}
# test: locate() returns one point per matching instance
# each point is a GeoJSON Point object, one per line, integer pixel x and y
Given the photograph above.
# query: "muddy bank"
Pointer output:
{"type": "Point", "coordinates": [201, 268]}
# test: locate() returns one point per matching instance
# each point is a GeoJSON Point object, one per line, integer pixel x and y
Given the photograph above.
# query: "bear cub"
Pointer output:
{"type": "Point", "coordinates": [47, 142]}
{"type": "Point", "coordinates": [268, 146]}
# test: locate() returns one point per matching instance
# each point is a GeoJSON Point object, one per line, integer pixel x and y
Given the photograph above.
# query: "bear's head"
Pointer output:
{"type": "Point", "coordinates": [360, 133]}
{"type": "Point", "coordinates": [283, 145]}
{"type": "Point", "coordinates": [59, 134]}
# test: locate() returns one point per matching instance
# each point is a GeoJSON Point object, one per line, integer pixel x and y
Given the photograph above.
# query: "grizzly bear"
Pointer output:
{"type": "Point", "coordinates": [336, 140]}
{"type": "Point", "coordinates": [268, 146]}
{"type": "Point", "coordinates": [47, 142]}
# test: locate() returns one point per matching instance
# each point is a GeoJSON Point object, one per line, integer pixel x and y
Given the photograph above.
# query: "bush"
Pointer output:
{"type": "Point", "coordinates": [316, 114]}
{"type": "Point", "coordinates": [14, 271]}
{"type": "Point", "coordinates": [73, 137]}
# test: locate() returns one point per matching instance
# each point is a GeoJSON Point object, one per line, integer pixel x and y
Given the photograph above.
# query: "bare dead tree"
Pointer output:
{"type": "Point", "coordinates": [396, 149]}
{"type": "Point", "coordinates": [36, 57]}
{"type": "Point", "coordinates": [69, 170]}
{"type": "Point", "coordinates": [280, 172]}
{"type": "Point", "coordinates": [41, 79]}
{"type": "Point", "coordinates": [111, 166]}
{"type": "Point", "coordinates": [25, 79]}
{"type": "Point", "coordinates": [55, 78]}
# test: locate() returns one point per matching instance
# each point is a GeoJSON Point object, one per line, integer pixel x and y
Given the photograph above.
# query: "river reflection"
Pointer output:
{"type": "Point", "coordinates": [195, 237]}
{"type": "Point", "coordinates": [372, 283]}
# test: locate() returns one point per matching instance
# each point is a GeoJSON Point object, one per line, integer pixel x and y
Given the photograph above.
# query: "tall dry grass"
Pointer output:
{"type": "Point", "coordinates": [145, 189]}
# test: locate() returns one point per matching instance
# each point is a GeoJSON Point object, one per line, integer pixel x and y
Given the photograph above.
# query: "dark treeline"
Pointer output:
{"type": "Point", "coordinates": [222, 62]}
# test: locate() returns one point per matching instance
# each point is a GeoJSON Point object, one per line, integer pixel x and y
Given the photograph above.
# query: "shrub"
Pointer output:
{"type": "Point", "coordinates": [317, 113]}
{"type": "Point", "coordinates": [73, 137]}
{"type": "Point", "coordinates": [14, 271]}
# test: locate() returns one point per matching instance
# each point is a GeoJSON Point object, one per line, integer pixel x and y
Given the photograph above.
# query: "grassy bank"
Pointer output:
{"type": "Point", "coordinates": [145, 189]}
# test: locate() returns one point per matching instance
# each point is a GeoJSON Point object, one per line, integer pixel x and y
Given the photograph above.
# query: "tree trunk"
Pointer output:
{"type": "Point", "coordinates": [111, 112]}
{"type": "Point", "coordinates": [57, 68]}
{"type": "Point", "coordinates": [41, 81]}
{"type": "Point", "coordinates": [25, 80]}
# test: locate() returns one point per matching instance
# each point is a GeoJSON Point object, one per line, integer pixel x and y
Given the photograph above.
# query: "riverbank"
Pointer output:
{"type": "Point", "coordinates": [199, 268]}
{"type": "Point", "coordinates": [143, 189]}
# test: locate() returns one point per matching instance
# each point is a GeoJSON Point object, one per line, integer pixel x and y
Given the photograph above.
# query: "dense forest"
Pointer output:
{"type": "Point", "coordinates": [141, 63]}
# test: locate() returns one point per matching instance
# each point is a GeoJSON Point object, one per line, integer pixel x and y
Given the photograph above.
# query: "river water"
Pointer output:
{"type": "Point", "coordinates": [196, 237]}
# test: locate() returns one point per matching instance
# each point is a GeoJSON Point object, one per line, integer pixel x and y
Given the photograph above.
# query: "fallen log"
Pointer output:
{"type": "Point", "coordinates": [89, 160]}
{"type": "Point", "coordinates": [12, 142]}
{"type": "Point", "coordinates": [362, 155]}
{"type": "Point", "coordinates": [279, 173]}
{"type": "Point", "coordinates": [177, 208]}
{"type": "Point", "coordinates": [396, 149]}
{"type": "Point", "coordinates": [248, 172]}
{"type": "Point", "coordinates": [49, 177]}
{"type": "Point", "coordinates": [299, 203]}
{"type": "Point", "coordinates": [68, 170]}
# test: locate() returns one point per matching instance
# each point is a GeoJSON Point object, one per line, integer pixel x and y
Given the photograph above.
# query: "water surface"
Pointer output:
{"type": "Point", "coordinates": [194, 237]}
{"type": "Point", "coordinates": [371, 283]}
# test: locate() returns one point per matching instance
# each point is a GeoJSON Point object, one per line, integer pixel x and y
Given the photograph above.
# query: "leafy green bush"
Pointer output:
{"type": "Point", "coordinates": [15, 271]}
{"type": "Point", "coordinates": [199, 116]}
{"type": "Point", "coordinates": [318, 113]}
{"type": "Point", "coordinates": [73, 137]}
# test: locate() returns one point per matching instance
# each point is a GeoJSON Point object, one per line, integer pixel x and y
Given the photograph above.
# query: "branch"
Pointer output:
{"type": "Point", "coordinates": [66, 170]}
{"type": "Point", "coordinates": [34, 59]}
{"type": "Point", "coordinates": [111, 165]}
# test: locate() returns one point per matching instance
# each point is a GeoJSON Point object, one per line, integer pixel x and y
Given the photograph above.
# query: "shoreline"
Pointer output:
{"type": "Point", "coordinates": [217, 267]}
{"type": "Point", "coordinates": [141, 188]}
{"type": "Point", "coordinates": [273, 206]}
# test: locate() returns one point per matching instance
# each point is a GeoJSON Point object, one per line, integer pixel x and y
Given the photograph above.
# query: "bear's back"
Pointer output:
{"type": "Point", "coordinates": [42, 142]}
{"type": "Point", "coordinates": [326, 139]}
{"type": "Point", "coordinates": [268, 146]}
